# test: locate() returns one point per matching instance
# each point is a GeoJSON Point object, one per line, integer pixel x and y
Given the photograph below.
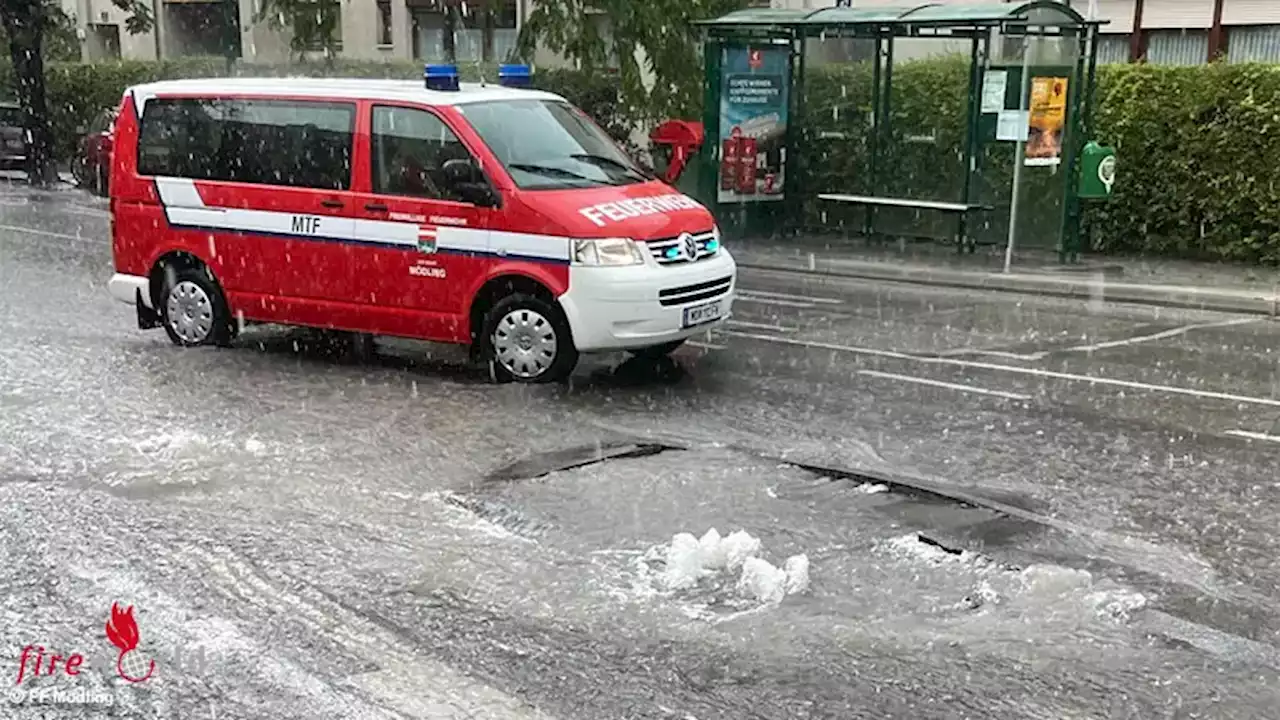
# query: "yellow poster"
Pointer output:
{"type": "Point", "coordinates": [1048, 119]}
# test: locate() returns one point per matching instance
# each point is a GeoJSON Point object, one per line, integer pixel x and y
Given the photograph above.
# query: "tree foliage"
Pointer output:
{"type": "Point", "coordinates": [312, 25]}
{"type": "Point", "coordinates": [60, 41]}
{"type": "Point", "coordinates": [601, 35]}
{"type": "Point", "coordinates": [26, 22]}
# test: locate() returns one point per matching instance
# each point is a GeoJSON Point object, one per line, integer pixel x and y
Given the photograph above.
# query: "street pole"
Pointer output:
{"type": "Point", "coordinates": [157, 12]}
{"type": "Point", "coordinates": [1021, 153]}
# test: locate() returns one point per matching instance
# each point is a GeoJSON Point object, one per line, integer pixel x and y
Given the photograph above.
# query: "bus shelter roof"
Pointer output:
{"type": "Point", "coordinates": [968, 15]}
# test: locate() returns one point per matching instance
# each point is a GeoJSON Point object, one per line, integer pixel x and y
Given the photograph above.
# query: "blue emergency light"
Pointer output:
{"type": "Point", "coordinates": [515, 76]}
{"type": "Point", "coordinates": [441, 77]}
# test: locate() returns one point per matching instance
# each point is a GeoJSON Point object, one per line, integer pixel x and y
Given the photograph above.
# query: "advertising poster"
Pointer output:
{"type": "Point", "coordinates": [994, 83]}
{"type": "Point", "coordinates": [1048, 119]}
{"type": "Point", "coordinates": [754, 94]}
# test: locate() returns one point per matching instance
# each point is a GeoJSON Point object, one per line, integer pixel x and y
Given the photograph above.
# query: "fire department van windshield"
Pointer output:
{"type": "Point", "coordinates": [497, 217]}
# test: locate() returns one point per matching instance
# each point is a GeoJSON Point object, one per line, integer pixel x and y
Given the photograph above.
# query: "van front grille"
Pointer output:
{"type": "Point", "coordinates": [672, 251]}
{"type": "Point", "coordinates": [693, 293]}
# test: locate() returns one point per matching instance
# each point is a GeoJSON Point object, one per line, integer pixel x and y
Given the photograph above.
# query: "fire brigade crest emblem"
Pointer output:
{"type": "Point", "coordinates": [426, 239]}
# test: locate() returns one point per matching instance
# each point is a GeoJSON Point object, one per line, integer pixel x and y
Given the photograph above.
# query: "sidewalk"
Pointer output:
{"type": "Point", "coordinates": [1205, 286]}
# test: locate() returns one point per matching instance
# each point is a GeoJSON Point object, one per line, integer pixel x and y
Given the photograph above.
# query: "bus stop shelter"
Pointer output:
{"type": "Point", "coordinates": [959, 122]}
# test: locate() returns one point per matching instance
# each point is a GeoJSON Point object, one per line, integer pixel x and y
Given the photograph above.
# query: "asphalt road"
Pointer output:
{"type": "Point", "coordinates": [1012, 506]}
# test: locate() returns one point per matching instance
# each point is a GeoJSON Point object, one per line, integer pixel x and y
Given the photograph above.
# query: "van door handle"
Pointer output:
{"type": "Point", "coordinates": [331, 203]}
{"type": "Point", "coordinates": [375, 207]}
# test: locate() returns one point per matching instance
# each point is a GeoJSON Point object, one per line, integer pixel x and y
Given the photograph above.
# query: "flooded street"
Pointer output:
{"type": "Point", "coordinates": [1007, 506]}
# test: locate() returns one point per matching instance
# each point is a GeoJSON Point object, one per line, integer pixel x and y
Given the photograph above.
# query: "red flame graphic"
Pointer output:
{"type": "Point", "coordinates": [122, 631]}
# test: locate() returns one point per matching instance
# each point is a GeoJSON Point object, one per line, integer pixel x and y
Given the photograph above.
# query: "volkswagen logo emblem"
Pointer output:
{"type": "Point", "coordinates": [689, 245]}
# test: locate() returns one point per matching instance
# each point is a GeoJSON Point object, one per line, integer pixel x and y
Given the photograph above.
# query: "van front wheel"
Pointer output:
{"type": "Point", "coordinates": [528, 341]}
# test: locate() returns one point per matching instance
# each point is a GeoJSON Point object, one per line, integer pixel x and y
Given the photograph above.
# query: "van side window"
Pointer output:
{"type": "Point", "coordinates": [409, 149]}
{"type": "Point", "coordinates": [264, 142]}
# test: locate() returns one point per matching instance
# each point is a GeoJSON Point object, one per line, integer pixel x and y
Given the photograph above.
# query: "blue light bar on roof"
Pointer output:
{"type": "Point", "coordinates": [515, 75]}
{"type": "Point", "coordinates": [441, 77]}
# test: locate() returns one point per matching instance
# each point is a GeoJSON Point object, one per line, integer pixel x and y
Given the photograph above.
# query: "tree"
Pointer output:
{"type": "Point", "coordinates": [314, 25]}
{"type": "Point", "coordinates": [671, 48]}
{"type": "Point", "coordinates": [25, 23]}
{"type": "Point", "coordinates": [60, 41]}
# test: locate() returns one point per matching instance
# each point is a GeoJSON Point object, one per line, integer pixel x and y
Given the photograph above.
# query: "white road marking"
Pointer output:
{"type": "Point", "coordinates": [950, 386]}
{"type": "Point", "coordinates": [1254, 435]}
{"type": "Point", "coordinates": [44, 233]}
{"type": "Point", "coordinates": [760, 326]}
{"type": "Point", "coordinates": [91, 212]}
{"type": "Point", "coordinates": [1173, 332]}
{"type": "Point", "coordinates": [1035, 372]}
{"type": "Point", "coordinates": [773, 301]}
{"type": "Point", "coordinates": [1162, 335]}
{"type": "Point", "coordinates": [707, 346]}
{"type": "Point", "coordinates": [988, 353]}
{"type": "Point", "coordinates": [788, 296]}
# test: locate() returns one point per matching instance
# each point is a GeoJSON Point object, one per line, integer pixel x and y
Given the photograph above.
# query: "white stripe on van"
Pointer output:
{"type": "Point", "coordinates": [321, 227]}
{"type": "Point", "coordinates": [183, 206]}
{"type": "Point", "coordinates": [179, 192]}
{"type": "Point", "coordinates": [536, 246]}
{"type": "Point", "coordinates": [385, 231]}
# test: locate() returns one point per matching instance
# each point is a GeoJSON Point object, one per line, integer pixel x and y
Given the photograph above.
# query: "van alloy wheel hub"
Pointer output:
{"type": "Point", "coordinates": [190, 312]}
{"type": "Point", "coordinates": [524, 343]}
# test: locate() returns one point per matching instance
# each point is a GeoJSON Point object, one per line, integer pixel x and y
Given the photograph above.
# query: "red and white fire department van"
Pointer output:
{"type": "Point", "coordinates": [495, 216]}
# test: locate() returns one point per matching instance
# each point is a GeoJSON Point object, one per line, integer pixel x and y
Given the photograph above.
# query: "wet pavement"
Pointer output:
{"type": "Point", "coordinates": [1011, 506]}
{"type": "Point", "coordinates": [1204, 286]}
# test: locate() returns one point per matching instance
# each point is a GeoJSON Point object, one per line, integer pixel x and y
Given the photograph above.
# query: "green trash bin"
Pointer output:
{"type": "Point", "coordinates": [1097, 171]}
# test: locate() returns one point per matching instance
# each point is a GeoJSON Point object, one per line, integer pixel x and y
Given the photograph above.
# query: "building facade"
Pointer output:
{"type": "Point", "coordinates": [1156, 31]}
{"type": "Point", "coordinates": [1182, 32]}
{"type": "Point", "coordinates": [425, 30]}
{"type": "Point", "coordinates": [1174, 32]}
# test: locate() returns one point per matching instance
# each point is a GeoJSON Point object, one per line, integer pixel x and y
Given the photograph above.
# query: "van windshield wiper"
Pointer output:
{"type": "Point", "coordinates": [554, 172]}
{"type": "Point", "coordinates": [605, 160]}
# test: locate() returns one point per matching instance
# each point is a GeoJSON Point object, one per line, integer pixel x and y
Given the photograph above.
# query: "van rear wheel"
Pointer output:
{"type": "Point", "coordinates": [528, 340]}
{"type": "Point", "coordinates": [193, 310]}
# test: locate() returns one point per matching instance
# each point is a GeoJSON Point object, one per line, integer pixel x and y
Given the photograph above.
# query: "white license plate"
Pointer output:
{"type": "Point", "coordinates": [704, 313]}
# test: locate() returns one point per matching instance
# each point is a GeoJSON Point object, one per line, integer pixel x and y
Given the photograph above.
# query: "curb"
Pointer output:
{"type": "Point", "coordinates": [1074, 286]}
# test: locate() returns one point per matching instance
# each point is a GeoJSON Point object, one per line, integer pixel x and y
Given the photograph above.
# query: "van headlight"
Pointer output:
{"type": "Point", "coordinates": [715, 243]}
{"type": "Point", "coordinates": [607, 252]}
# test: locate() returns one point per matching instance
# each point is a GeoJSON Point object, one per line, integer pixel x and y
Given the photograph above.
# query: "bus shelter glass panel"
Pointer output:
{"type": "Point", "coordinates": [1037, 113]}
{"type": "Point", "coordinates": [834, 135]}
{"type": "Point", "coordinates": [922, 133]}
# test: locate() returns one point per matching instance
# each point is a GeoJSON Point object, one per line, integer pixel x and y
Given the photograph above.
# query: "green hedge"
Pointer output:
{"type": "Point", "coordinates": [1199, 147]}
{"type": "Point", "coordinates": [1198, 150]}
{"type": "Point", "coordinates": [1199, 161]}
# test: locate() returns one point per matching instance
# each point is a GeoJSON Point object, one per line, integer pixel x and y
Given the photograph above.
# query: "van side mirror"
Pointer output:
{"type": "Point", "coordinates": [463, 177]}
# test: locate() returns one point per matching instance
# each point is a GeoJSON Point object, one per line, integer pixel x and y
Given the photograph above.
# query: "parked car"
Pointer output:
{"type": "Point", "coordinates": [91, 165]}
{"type": "Point", "coordinates": [13, 143]}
